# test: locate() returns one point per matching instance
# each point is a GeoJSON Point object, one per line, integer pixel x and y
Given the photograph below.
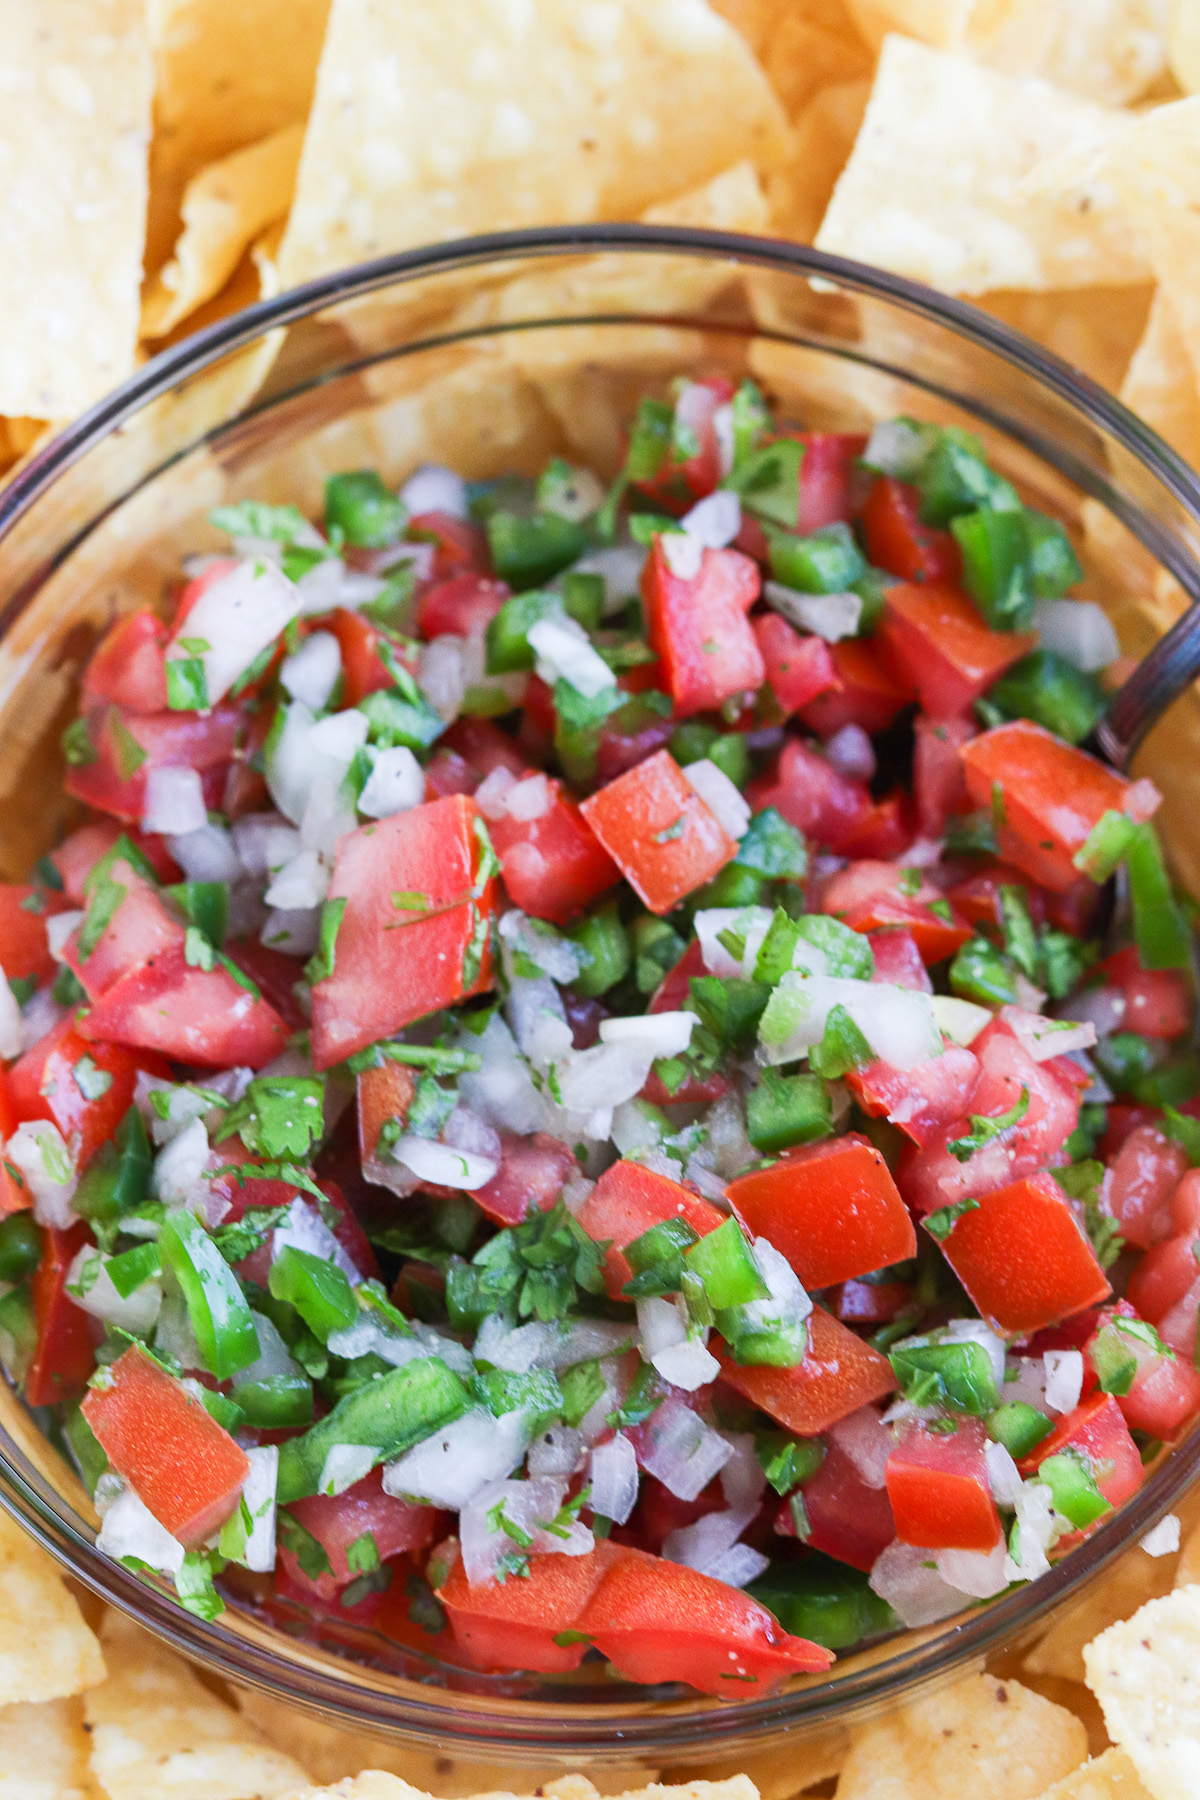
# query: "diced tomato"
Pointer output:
{"type": "Point", "coordinates": [659, 832]}
{"type": "Point", "coordinates": [846, 1518]}
{"type": "Point", "coordinates": [530, 1178]}
{"type": "Point", "coordinates": [839, 1374]}
{"type": "Point", "coordinates": [338, 1520]}
{"type": "Point", "coordinates": [938, 1486]}
{"type": "Point", "coordinates": [921, 1100]}
{"type": "Point", "coordinates": [140, 930]}
{"type": "Point", "coordinates": [129, 665]}
{"type": "Point", "coordinates": [116, 781]}
{"type": "Point", "coordinates": [363, 672]}
{"type": "Point", "coordinates": [195, 1015]}
{"type": "Point", "coordinates": [65, 1348]}
{"type": "Point", "coordinates": [78, 854]}
{"type": "Point", "coordinates": [14, 1195]}
{"type": "Point", "coordinates": [683, 479]}
{"type": "Point", "coordinates": [1143, 1178]}
{"type": "Point", "coordinates": [626, 1201]}
{"type": "Point", "coordinates": [194, 590]}
{"type": "Point", "coordinates": [460, 546]}
{"type": "Point", "coordinates": [885, 828]}
{"type": "Point", "coordinates": [870, 694]}
{"type": "Point", "coordinates": [1097, 1430]}
{"type": "Point", "coordinates": [383, 1094]}
{"type": "Point", "coordinates": [460, 606]}
{"type": "Point", "coordinates": [939, 785]}
{"type": "Point", "coordinates": [798, 668]}
{"type": "Point", "coordinates": [1047, 797]}
{"type": "Point", "coordinates": [414, 935]}
{"type": "Point", "coordinates": [553, 866]}
{"type": "Point", "coordinates": [898, 960]}
{"type": "Point", "coordinates": [1023, 1258]}
{"type": "Point", "coordinates": [629, 736]}
{"type": "Point", "coordinates": [1162, 1278]}
{"type": "Point", "coordinates": [538, 720]}
{"type": "Point", "coordinates": [812, 795]}
{"type": "Point", "coordinates": [179, 1462]}
{"type": "Point", "coordinates": [484, 747]}
{"type": "Point", "coordinates": [693, 1090]}
{"type": "Point", "coordinates": [899, 543]}
{"type": "Point", "coordinates": [42, 1085]}
{"type": "Point", "coordinates": [831, 1208]}
{"type": "Point", "coordinates": [1158, 1002]}
{"type": "Point", "coordinates": [273, 973]}
{"type": "Point", "coordinates": [943, 648]}
{"type": "Point", "coordinates": [446, 773]}
{"type": "Point", "coordinates": [658, 1511]}
{"type": "Point", "coordinates": [871, 895]}
{"type": "Point", "coordinates": [828, 476]}
{"type": "Point", "coordinates": [932, 1177]}
{"type": "Point", "coordinates": [977, 897]}
{"type": "Point", "coordinates": [869, 1302]}
{"type": "Point", "coordinates": [1164, 1392]}
{"type": "Point", "coordinates": [24, 951]}
{"type": "Point", "coordinates": [699, 627]}
{"type": "Point", "coordinates": [671, 995]}
{"type": "Point", "coordinates": [513, 1624]}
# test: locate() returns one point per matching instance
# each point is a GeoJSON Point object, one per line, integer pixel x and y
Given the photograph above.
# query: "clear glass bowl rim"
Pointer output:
{"type": "Point", "coordinates": [698, 1730]}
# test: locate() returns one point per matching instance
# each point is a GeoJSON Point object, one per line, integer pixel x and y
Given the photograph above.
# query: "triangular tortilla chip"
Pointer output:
{"type": "Point", "coordinates": [44, 1752]}
{"type": "Point", "coordinates": [1160, 385]}
{"type": "Point", "coordinates": [1143, 1672]}
{"type": "Point", "coordinates": [1108, 1777]}
{"type": "Point", "coordinates": [47, 1651]}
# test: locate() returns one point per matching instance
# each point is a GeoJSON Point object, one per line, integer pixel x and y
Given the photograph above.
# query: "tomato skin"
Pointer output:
{"type": "Point", "coordinates": [337, 1520]}
{"type": "Point", "coordinates": [939, 785]}
{"type": "Point", "coordinates": [1143, 1177]}
{"type": "Point", "coordinates": [24, 909]}
{"type": "Point", "coordinates": [129, 664]}
{"type": "Point", "coordinates": [173, 1454]}
{"type": "Point", "coordinates": [273, 973]}
{"type": "Point", "coordinates": [394, 966]}
{"type": "Point", "coordinates": [699, 627]}
{"type": "Point", "coordinates": [78, 854]}
{"type": "Point", "coordinates": [942, 647]}
{"type": "Point", "coordinates": [626, 1201]}
{"type": "Point", "coordinates": [798, 668]}
{"type": "Point", "coordinates": [194, 1015]}
{"type": "Point", "coordinates": [1165, 1392]}
{"type": "Point", "coordinates": [828, 476]}
{"type": "Point", "coordinates": [921, 1100]}
{"type": "Point", "coordinates": [977, 896]}
{"type": "Point", "coordinates": [513, 1624]}
{"type": "Point", "coordinates": [363, 672]}
{"type": "Point", "coordinates": [553, 866]}
{"type": "Point", "coordinates": [1053, 796]}
{"type": "Point", "coordinates": [460, 606]}
{"type": "Point", "coordinates": [140, 929]}
{"type": "Point", "coordinates": [839, 1374]}
{"type": "Point", "coordinates": [1162, 1277]}
{"type": "Point", "coordinates": [1097, 1428]}
{"type": "Point", "coordinates": [65, 1350]}
{"type": "Point", "coordinates": [460, 546]}
{"type": "Point", "coordinates": [831, 1208]}
{"type": "Point", "coordinates": [530, 1178]}
{"type": "Point", "coordinates": [847, 1519]}
{"type": "Point", "coordinates": [812, 795]}
{"type": "Point", "coordinates": [1158, 1002]}
{"type": "Point", "coordinates": [42, 1085]}
{"type": "Point", "coordinates": [939, 1490]}
{"type": "Point", "coordinates": [899, 543]}
{"type": "Point", "coordinates": [870, 693]}
{"type": "Point", "coordinates": [1023, 1258]}
{"type": "Point", "coordinates": [202, 741]}
{"type": "Point", "coordinates": [898, 960]}
{"type": "Point", "coordinates": [631, 815]}
{"type": "Point", "coordinates": [14, 1195]}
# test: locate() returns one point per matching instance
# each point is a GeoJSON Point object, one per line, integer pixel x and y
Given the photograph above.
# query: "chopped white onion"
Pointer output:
{"type": "Point", "coordinates": [173, 1335]}
{"type": "Point", "coordinates": [565, 650]}
{"type": "Point", "coordinates": [1044, 1038]}
{"type": "Point", "coordinates": [502, 1091]}
{"type": "Point", "coordinates": [720, 796]}
{"type": "Point", "coordinates": [206, 854]}
{"type": "Point", "coordinates": [443, 674]}
{"type": "Point", "coordinates": [742, 1478]}
{"type": "Point", "coordinates": [704, 1544]}
{"type": "Point", "coordinates": [573, 494]}
{"type": "Point", "coordinates": [60, 927]}
{"type": "Point", "coordinates": [180, 1165]}
{"type": "Point", "coordinates": [491, 796]}
{"type": "Point", "coordinates": [39, 1015]}
{"type": "Point", "coordinates": [433, 488]}
{"type": "Point", "coordinates": [614, 1476]}
{"type": "Point", "coordinates": [557, 1451]}
{"type": "Point", "coordinates": [898, 1023]}
{"type": "Point", "coordinates": [303, 1227]}
{"type": "Point", "coordinates": [296, 932]}
{"type": "Point", "coordinates": [310, 673]}
{"type": "Point", "coordinates": [1162, 1539]}
{"type": "Point", "coordinates": [664, 1033]}
{"type": "Point", "coordinates": [174, 801]}
{"type": "Point", "coordinates": [715, 520]}
{"type": "Point", "coordinates": [515, 1348]}
{"type": "Point", "coordinates": [1103, 1008]}
{"type": "Point", "coordinates": [682, 553]}
{"type": "Point", "coordinates": [602, 1077]}
{"type": "Point", "coordinates": [896, 448]}
{"type": "Point", "coordinates": [396, 783]}
{"type": "Point", "coordinates": [528, 1506]}
{"type": "Point", "coordinates": [258, 1497]}
{"type": "Point", "coordinates": [679, 1358]}
{"type": "Point", "coordinates": [1004, 1477]}
{"type": "Point", "coordinates": [726, 435]}
{"type": "Point", "coordinates": [979, 1573]}
{"type": "Point", "coordinates": [12, 1025]}
{"type": "Point", "coordinates": [300, 884]}
{"type": "Point", "coordinates": [129, 1528]}
{"type": "Point", "coordinates": [1064, 1379]}
{"type": "Point", "coordinates": [1025, 1379]}
{"type": "Point", "coordinates": [455, 1465]}
{"type": "Point", "coordinates": [530, 799]}
{"type": "Point", "coordinates": [443, 1165]}
{"type": "Point", "coordinates": [866, 1440]}
{"type": "Point", "coordinates": [330, 584]}
{"type": "Point", "coordinates": [1036, 1531]}
{"type": "Point", "coordinates": [750, 923]}
{"type": "Point", "coordinates": [138, 1313]}
{"type": "Point", "coordinates": [1030, 997]}
{"type": "Point", "coordinates": [851, 752]}
{"type": "Point", "coordinates": [1079, 630]}
{"type": "Point", "coordinates": [263, 842]}
{"type": "Point", "coordinates": [37, 1151]}
{"type": "Point", "coordinates": [619, 567]}
{"type": "Point", "coordinates": [236, 617]}
{"type": "Point", "coordinates": [681, 1451]}
{"type": "Point", "coordinates": [344, 1465]}
{"type": "Point", "coordinates": [960, 1020]}
{"type": "Point", "coordinates": [917, 1593]}
{"type": "Point", "coordinates": [555, 956]}
{"type": "Point", "coordinates": [274, 1357]}
{"type": "Point", "coordinates": [829, 616]}
{"type": "Point", "coordinates": [584, 1339]}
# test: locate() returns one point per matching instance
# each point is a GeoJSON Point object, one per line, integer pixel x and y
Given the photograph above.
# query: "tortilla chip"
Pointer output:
{"type": "Point", "coordinates": [517, 116]}
{"type": "Point", "coordinates": [1109, 1777]}
{"type": "Point", "coordinates": [1096, 329]}
{"type": "Point", "coordinates": [934, 186]}
{"type": "Point", "coordinates": [374, 1784]}
{"type": "Point", "coordinates": [44, 1752]}
{"type": "Point", "coordinates": [814, 44]}
{"type": "Point", "coordinates": [225, 209]}
{"type": "Point", "coordinates": [1159, 385]}
{"type": "Point", "coordinates": [1187, 1569]}
{"type": "Point", "coordinates": [1183, 44]}
{"type": "Point", "coordinates": [1113, 51]}
{"type": "Point", "coordinates": [980, 1737]}
{"type": "Point", "coordinates": [823, 139]}
{"type": "Point", "coordinates": [1114, 1595]}
{"type": "Point", "coordinates": [1146, 1675]}
{"type": "Point", "coordinates": [159, 1734]}
{"type": "Point", "coordinates": [48, 1651]}
{"type": "Point", "coordinates": [74, 130]}
{"type": "Point", "coordinates": [219, 87]}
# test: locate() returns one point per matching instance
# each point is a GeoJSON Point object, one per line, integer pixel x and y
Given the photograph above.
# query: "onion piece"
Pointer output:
{"type": "Point", "coordinates": [258, 1496]}
{"type": "Point", "coordinates": [456, 1464]}
{"type": "Point", "coordinates": [918, 1594]}
{"type": "Point", "coordinates": [310, 673]}
{"type": "Point", "coordinates": [750, 923]}
{"type": "Point", "coordinates": [565, 649]}
{"type": "Point", "coordinates": [1037, 1528]}
{"type": "Point", "coordinates": [1078, 630]}
{"type": "Point", "coordinates": [682, 553]}
{"type": "Point", "coordinates": [129, 1528]}
{"type": "Point", "coordinates": [959, 1020]}
{"type": "Point", "coordinates": [898, 1023]}
{"type": "Point", "coordinates": [829, 616]}
{"type": "Point", "coordinates": [702, 1544]}
{"type": "Point", "coordinates": [979, 1573]}
{"type": "Point", "coordinates": [434, 488]}
{"type": "Point", "coordinates": [137, 1313]}
{"type": "Point", "coordinates": [715, 520]}
{"type": "Point", "coordinates": [515, 1348]}
{"type": "Point", "coordinates": [174, 801]}
{"type": "Point", "coordinates": [303, 1227]}
{"type": "Point", "coordinates": [556, 1451]}
{"type": "Point", "coordinates": [614, 1477]}
{"type": "Point", "coordinates": [619, 566]}
{"type": "Point", "coordinates": [1044, 1038]}
{"type": "Point", "coordinates": [719, 794]}
{"type": "Point", "coordinates": [12, 1025]}
{"type": "Point", "coordinates": [528, 1506]}
{"type": "Point", "coordinates": [1004, 1477]}
{"type": "Point", "coordinates": [396, 784]}
{"type": "Point", "coordinates": [681, 1451]}
{"type": "Point", "coordinates": [206, 854]}
{"type": "Point", "coordinates": [664, 1033]}
{"type": "Point", "coordinates": [1064, 1379]}
{"type": "Point", "coordinates": [866, 1440]}
{"type": "Point", "coordinates": [344, 1465]}
{"type": "Point", "coordinates": [236, 617]}
{"type": "Point", "coordinates": [442, 1164]}
{"type": "Point", "coordinates": [1162, 1539]}
{"type": "Point", "coordinates": [36, 1149]}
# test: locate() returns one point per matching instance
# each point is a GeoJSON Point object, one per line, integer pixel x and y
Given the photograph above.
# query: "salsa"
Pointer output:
{"type": "Point", "coordinates": [573, 1089]}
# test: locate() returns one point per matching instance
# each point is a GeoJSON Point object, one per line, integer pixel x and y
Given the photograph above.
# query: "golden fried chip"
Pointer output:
{"type": "Point", "coordinates": [48, 1650]}
{"type": "Point", "coordinates": [980, 1737]}
{"type": "Point", "coordinates": [517, 116]}
{"type": "Point", "coordinates": [1108, 1777]}
{"type": "Point", "coordinates": [1114, 1595]}
{"type": "Point", "coordinates": [159, 1734]}
{"type": "Point", "coordinates": [934, 188]}
{"type": "Point", "coordinates": [225, 208]}
{"type": "Point", "coordinates": [1146, 1675]}
{"type": "Point", "coordinates": [813, 44]}
{"type": "Point", "coordinates": [1098, 329]}
{"type": "Point", "coordinates": [375, 1784]}
{"type": "Point", "coordinates": [74, 130]}
{"type": "Point", "coordinates": [44, 1752]}
{"type": "Point", "coordinates": [1183, 44]}
{"type": "Point", "coordinates": [800, 191]}
{"type": "Point", "coordinates": [1160, 385]}
{"type": "Point", "coordinates": [1187, 1569]}
{"type": "Point", "coordinates": [226, 75]}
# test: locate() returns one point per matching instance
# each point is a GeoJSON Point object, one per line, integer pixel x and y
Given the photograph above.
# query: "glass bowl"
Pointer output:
{"type": "Point", "coordinates": [491, 354]}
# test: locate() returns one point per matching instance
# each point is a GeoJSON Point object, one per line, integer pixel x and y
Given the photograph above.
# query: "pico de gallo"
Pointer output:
{"type": "Point", "coordinates": [578, 1090]}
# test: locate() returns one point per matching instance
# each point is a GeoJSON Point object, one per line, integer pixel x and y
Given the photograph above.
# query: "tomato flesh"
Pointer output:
{"type": "Point", "coordinates": [832, 1209]}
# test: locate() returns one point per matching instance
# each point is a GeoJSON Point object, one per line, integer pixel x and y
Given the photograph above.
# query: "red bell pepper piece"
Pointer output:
{"type": "Point", "coordinates": [1158, 1002]}
{"type": "Point", "coordinates": [846, 1518]}
{"type": "Point", "coordinates": [831, 1208]}
{"type": "Point", "coordinates": [812, 795]}
{"type": "Point", "coordinates": [179, 1462]}
{"type": "Point", "coordinates": [42, 1085]}
{"type": "Point", "coordinates": [839, 1374]}
{"type": "Point", "coordinates": [659, 832]}
{"type": "Point", "coordinates": [939, 785]}
{"type": "Point", "coordinates": [1047, 797]}
{"type": "Point", "coordinates": [798, 668]}
{"type": "Point", "coordinates": [459, 606]}
{"type": "Point", "coordinates": [920, 1101]}
{"type": "Point", "coordinates": [699, 627]}
{"type": "Point", "coordinates": [1164, 1393]}
{"type": "Point", "coordinates": [194, 1015]}
{"type": "Point", "coordinates": [414, 934]}
{"type": "Point", "coordinates": [116, 781]}
{"type": "Point", "coordinates": [530, 1178]}
{"type": "Point", "coordinates": [460, 546]}
{"type": "Point", "coordinates": [1023, 1258]}
{"type": "Point", "coordinates": [1144, 1175]}
{"type": "Point", "coordinates": [942, 647]}
{"type": "Point", "coordinates": [65, 1349]}
{"type": "Point", "coordinates": [553, 866]}
{"type": "Point", "coordinates": [1098, 1432]}
{"type": "Point", "coordinates": [338, 1520]}
{"type": "Point", "coordinates": [938, 1486]}
{"type": "Point", "coordinates": [870, 694]}
{"type": "Point", "coordinates": [899, 543]}
{"type": "Point", "coordinates": [513, 1624]}
{"type": "Point", "coordinates": [24, 951]}
{"type": "Point", "coordinates": [626, 1201]}
{"type": "Point", "coordinates": [129, 664]}
{"type": "Point", "coordinates": [363, 672]}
